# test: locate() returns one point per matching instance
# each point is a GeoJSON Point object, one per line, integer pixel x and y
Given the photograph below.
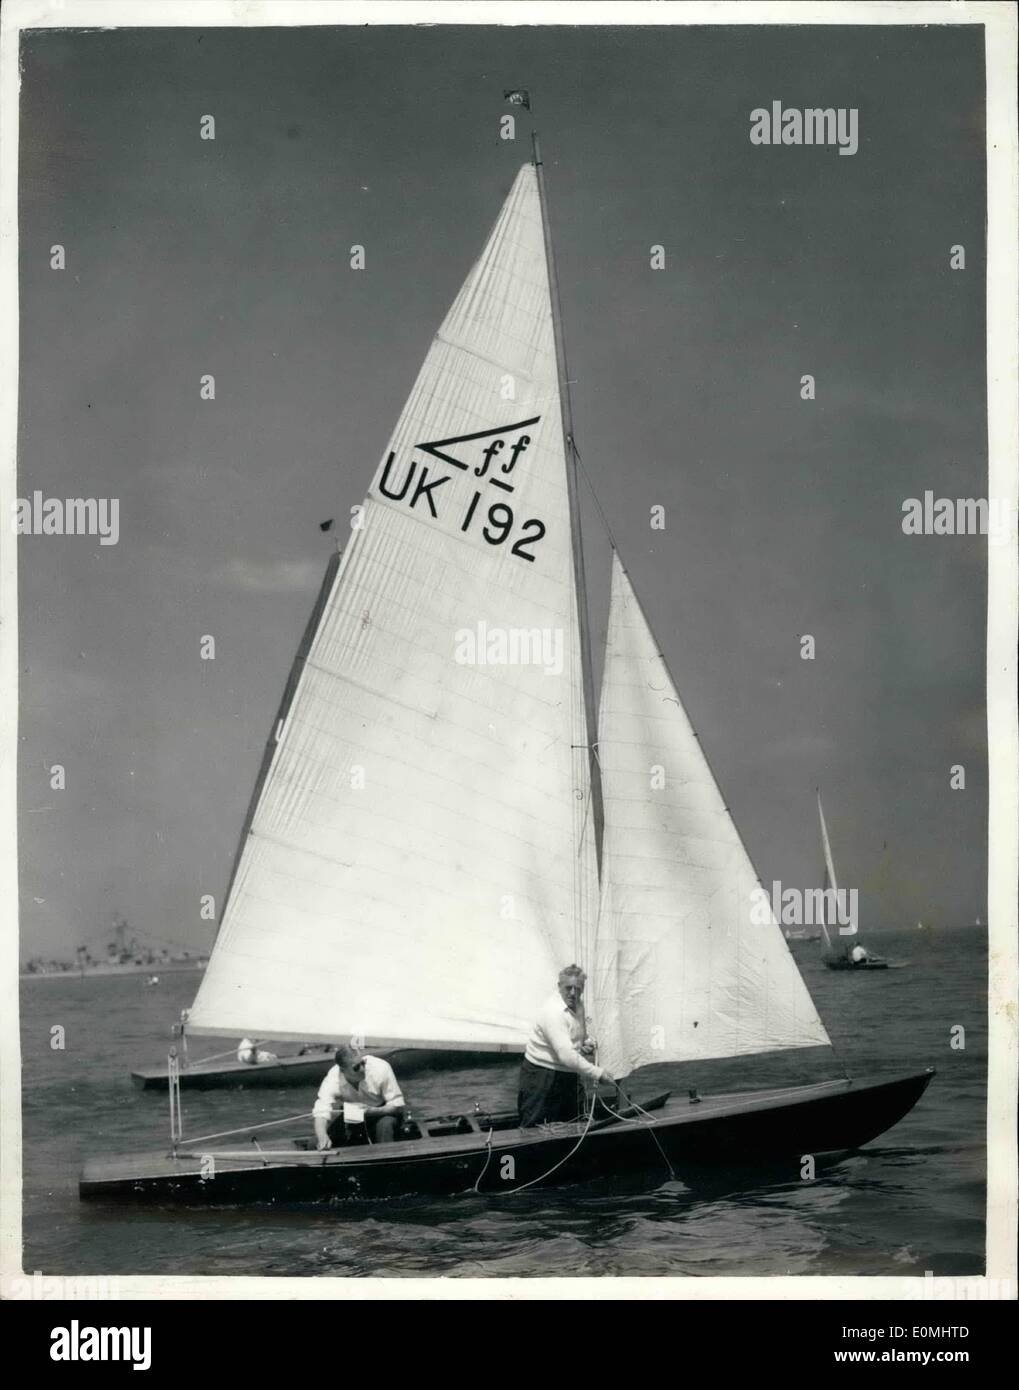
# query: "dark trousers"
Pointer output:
{"type": "Point", "coordinates": [547, 1095]}
{"type": "Point", "coordinates": [380, 1129]}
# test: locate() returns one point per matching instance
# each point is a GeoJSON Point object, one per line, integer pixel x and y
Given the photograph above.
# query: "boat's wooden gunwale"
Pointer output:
{"type": "Point", "coordinates": [674, 1111]}
{"type": "Point", "coordinates": [760, 1128]}
{"type": "Point", "coordinates": [479, 1143]}
{"type": "Point", "coordinates": [253, 1071]}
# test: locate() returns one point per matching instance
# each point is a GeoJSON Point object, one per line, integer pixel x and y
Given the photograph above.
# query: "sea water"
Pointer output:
{"type": "Point", "coordinates": [911, 1201]}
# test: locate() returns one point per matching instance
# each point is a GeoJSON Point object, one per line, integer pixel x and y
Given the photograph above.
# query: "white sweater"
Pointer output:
{"type": "Point", "coordinates": [554, 1038]}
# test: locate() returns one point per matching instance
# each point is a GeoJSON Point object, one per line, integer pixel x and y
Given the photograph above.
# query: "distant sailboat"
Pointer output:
{"type": "Point", "coordinates": [838, 954]}
{"type": "Point", "coordinates": [433, 837]}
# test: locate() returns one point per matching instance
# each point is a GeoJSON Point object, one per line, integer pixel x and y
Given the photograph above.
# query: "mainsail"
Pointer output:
{"type": "Point", "coordinates": [420, 859]}
{"type": "Point", "coordinates": [683, 968]}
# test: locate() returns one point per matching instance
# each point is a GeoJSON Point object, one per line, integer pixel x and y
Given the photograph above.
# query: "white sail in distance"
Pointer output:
{"type": "Point", "coordinates": [686, 967]}
{"type": "Point", "coordinates": [830, 881]}
{"type": "Point", "coordinates": [420, 861]}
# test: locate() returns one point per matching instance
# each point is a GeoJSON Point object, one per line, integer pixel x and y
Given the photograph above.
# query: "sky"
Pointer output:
{"type": "Point", "coordinates": [783, 516]}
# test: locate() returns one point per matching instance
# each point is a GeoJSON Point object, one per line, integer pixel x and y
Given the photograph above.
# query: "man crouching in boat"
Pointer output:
{"type": "Point", "coordinates": [556, 1056]}
{"type": "Point", "coordinates": [357, 1079]}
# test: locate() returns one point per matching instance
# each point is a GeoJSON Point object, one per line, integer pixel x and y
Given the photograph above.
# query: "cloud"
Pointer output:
{"type": "Point", "coordinates": [268, 577]}
{"type": "Point", "coordinates": [812, 747]}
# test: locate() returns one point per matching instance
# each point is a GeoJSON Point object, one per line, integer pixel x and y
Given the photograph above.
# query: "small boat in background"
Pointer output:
{"type": "Point", "coordinates": [306, 1068]}
{"type": "Point", "coordinates": [841, 957]}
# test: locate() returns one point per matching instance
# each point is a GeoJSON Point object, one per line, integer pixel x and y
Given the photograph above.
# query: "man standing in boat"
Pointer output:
{"type": "Point", "coordinates": [364, 1081]}
{"type": "Point", "coordinates": [556, 1056]}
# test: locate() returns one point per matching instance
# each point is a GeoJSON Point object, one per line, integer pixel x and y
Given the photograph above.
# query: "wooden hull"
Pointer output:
{"type": "Point", "coordinates": [305, 1071]}
{"type": "Point", "coordinates": [725, 1131]}
{"type": "Point", "coordinates": [856, 965]}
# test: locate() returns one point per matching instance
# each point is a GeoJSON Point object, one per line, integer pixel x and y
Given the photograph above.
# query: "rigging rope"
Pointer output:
{"type": "Point", "coordinates": [650, 1127]}
{"type": "Point", "coordinates": [649, 1123]}
{"type": "Point", "coordinates": [230, 1051]}
{"type": "Point", "coordinates": [488, 1159]}
{"type": "Point", "coordinates": [326, 1050]}
{"type": "Point", "coordinates": [510, 1191]}
{"type": "Point", "coordinates": [590, 486]}
{"type": "Point", "coordinates": [248, 1129]}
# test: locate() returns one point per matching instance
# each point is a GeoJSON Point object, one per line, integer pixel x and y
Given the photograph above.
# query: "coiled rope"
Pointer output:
{"type": "Point", "coordinates": [509, 1191]}
{"type": "Point", "coordinates": [648, 1123]}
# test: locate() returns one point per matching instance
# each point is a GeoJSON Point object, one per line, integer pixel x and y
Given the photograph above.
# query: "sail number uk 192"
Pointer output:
{"type": "Point", "coordinates": [489, 456]}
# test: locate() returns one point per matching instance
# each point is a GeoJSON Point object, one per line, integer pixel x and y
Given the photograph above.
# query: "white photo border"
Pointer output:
{"type": "Point", "coordinates": [1000, 27]}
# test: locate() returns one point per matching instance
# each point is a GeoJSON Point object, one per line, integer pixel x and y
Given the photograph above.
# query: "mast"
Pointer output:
{"type": "Point", "coordinates": [580, 580]}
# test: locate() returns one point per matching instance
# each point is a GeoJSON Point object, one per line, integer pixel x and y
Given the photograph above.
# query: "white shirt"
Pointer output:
{"type": "Point", "coordinates": [378, 1086]}
{"type": "Point", "coordinates": [554, 1038]}
{"type": "Point", "coordinates": [858, 953]}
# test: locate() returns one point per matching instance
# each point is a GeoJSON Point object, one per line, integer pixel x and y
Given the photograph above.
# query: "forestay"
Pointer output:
{"type": "Point", "coordinates": [420, 860]}
{"type": "Point", "coordinates": [682, 972]}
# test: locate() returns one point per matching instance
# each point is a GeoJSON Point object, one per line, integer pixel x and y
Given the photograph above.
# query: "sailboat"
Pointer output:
{"type": "Point", "coordinates": [444, 821]}
{"type": "Point", "coordinates": [837, 953]}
